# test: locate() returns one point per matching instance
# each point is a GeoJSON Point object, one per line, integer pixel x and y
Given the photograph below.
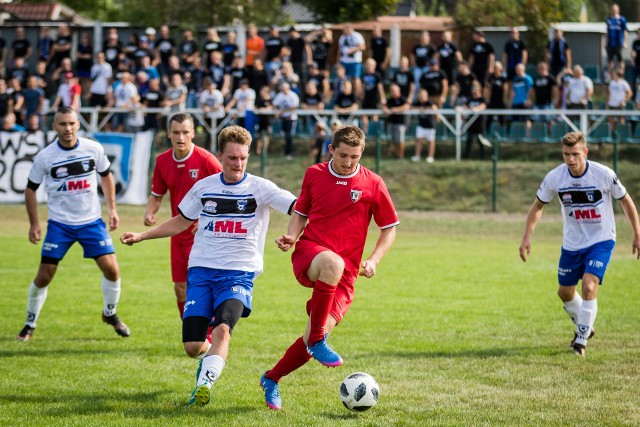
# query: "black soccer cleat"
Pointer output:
{"type": "Point", "coordinates": [579, 350]}
{"type": "Point", "coordinates": [25, 334]}
{"type": "Point", "coordinates": [575, 335]}
{"type": "Point", "coordinates": [118, 325]}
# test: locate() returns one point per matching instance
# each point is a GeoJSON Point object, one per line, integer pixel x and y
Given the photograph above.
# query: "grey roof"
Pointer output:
{"type": "Point", "coordinates": [298, 12]}
{"type": "Point", "coordinates": [405, 8]}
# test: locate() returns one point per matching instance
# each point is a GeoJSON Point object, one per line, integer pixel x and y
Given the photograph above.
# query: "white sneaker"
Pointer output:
{"type": "Point", "coordinates": [484, 141]}
{"type": "Point", "coordinates": [415, 158]}
{"type": "Point", "coordinates": [429, 159]}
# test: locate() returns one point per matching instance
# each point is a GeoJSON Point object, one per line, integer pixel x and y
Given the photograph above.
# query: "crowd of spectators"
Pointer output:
{"type": "Point", "coordinates": [286, 73]}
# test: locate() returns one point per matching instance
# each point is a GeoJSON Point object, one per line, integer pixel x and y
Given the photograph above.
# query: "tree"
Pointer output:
{"type": "Point", "coordinates": [350, 10]}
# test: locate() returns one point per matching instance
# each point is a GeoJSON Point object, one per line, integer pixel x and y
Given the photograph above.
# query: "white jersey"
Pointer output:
{"type": "Point", "coordinates": [587, 210]}
{"type": "Point", "coordinates": [70, 179]}
{"type": "Point", "coordinates": [232, 221]}
{"type": "Point", "coordinates": [346, 42]}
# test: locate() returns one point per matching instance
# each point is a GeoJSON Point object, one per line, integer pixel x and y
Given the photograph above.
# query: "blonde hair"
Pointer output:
{"type": "Point", "coordinates": [233, 134]}
{"type": "Point", "coordinates": [574, 138]}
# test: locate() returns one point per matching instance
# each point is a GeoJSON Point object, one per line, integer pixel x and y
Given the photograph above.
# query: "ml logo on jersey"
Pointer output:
{"type": "Point", "coordinates": [78, 184]}
{"type": "Point", "coordinates": [241, 205]}
{"type": "Point", "coordinates": [586, 215]}
{"type": "Point", "coordinates": [193, 173]}
{"type": "Point", "coordinates": [355, 195]}
{"type": "Point", "coordinates": [210, 206]}
{"type": "Point", "coordinates": [228, 229]}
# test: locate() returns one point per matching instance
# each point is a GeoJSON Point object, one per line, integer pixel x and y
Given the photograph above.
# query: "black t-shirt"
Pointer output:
{"type": "Point", "coordinates": [379, 49]}
{"type": "Point", "coordinates": [476, 126]}
{"type": "Point", "coordinates": [556, 53]}
{"type": "Point", "coordinates": [404, 80]}
{"type": "Point", "coordinates": [318, 80]}
{"type": "Point", "coordinates": [237, 74]}
{"type": "Point", "coordinates": [636, 48]}
{"type": "Point", "coordinates": [188, 47]}
{"type": "Point", "coordinates": [111, 53]}
{"type": "Point", "coordinates": [433, 82]}
{"type": "Point", "coordinates": [398, 118]}
{"type": "Point", "coordinates": [320, 52]}
{"type": "Point", "coordinates": [4, 104]}
{"type": "Point", "coordinates": [152, 99]}
{"type": "Point", "coordinates": [297, 49]}
{"type": "Point", "coordinates": [425, 121]}
{"type": "Point", "coordinates": [217, 75]}
{"type": "Point", "coordinates": [165, 48]}
{"type": "Point", "coordinates": [543, 88]}
{"type": "Point", "coordinates": [465, 83]}
{"type": "Point", "coordinates": [273, 46]}
{"type": "Point", "coordinates": [211, 46]}
{"type": "Point", "coordinates": [423, 54]}
{"type": "Point", "coordinates": [481, 52]}
{"type": "Point", "coordinates": [60, 54]}
{"type": "Point", "coordinates": [228, 52]}
{"type": "Point", "coordinates": [312, 100]}
{"type": "Point", "coordinates": [497, 91]}
{"type": "Point", "coordinates": [370, 82]}
{"type": "Point", "coordinates": [22, 74]}
{"type": "Point", "coordinates": [85, 64]}
{"type": "Point", "coordinates": [345, 101]}
{"type": "Point", "coordinates": [514, 50]}
{"type": "Point", "coordinates": [20, 48]}
{"type": "Point", "coordinates": [448, 59]}
{"type": "Point", "coordinates": [258, 79]}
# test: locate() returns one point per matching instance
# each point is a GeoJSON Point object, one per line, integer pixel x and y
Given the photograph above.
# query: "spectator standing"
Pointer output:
{"type": "Point", "coordinates": [112, 47]}
{"type": "Point", "coordinates": [273, 47]}
{"type": "Point", "coordinates": [346, 103]}
{"type": "Point", "coordinates": [150, 32]}
{"type": "Point", "coordinates": [579, 90]}
{"type": "Point", "coordinates": [351, 44]}
{"type": "Point", "coordinates": [33, 99]}
{"type": "Point", "coordinates": [211, 100]}
{"type": "Point", "coordinates": [404, 79]}
{"type": "Point", "coordinates": [101, 75]}
{"type": "Point", "coordinates": [421, 56]}
{"type": "Point", "coordinates": [519, 94]}
{"type": "Point", "coordinates": [229, 50]}
{"type": "Point", "coordinates": [635, 60]}
{"type": "Point", "coordinates": [616, 39]}
{"type": "Point", "coordinates": [194, 83]}
{"type": "Point", "coordinates": [6, 102]}
{"type": "Point", "coordinates": [481, 58]}
{"type": "Point", "coordinates": [286, 103]}
{"type": "Point", "coordinates": [68, 93]}
{"type": "Point", "coordinates": [379, 50]}
{"type": "Point", "coordinates": [515, 52]}
{"type": "Point", "coordinates": [320, 42]}
{"type": "Point", "coordinates": [21, 47]}
{"type": "Point", "coordinates": [436, 84]}
{"type": "Point", "coordinates": [189, 49]}
{"type": "Point", "coordinates": [254, 44]}
{"type": "Point", "coordinates": [244, 99]}
{"type": "Point", "coordinates": [396, 122]}
{"type": "Point", "coordinates": [165, 48]}
{"type": "Point", "coordinates": [153, 98]}
{"type": "Point", "coordinates": [263, 104]}
{"type": "Point", "coordinates": [320, 80]}
{"type": "Point", "coordinates": [425, 131]}
{"type": "Point", "coordinates": [372, 91]}
{"type": "Point", "coordinates": [258, 77]}
{"type": "Point", "coordinates": [545, 90]}
{"type": "Point", "coordinates": [125, 95]}
{"type": "Point", "coordinates": [474, 132]}
{"type": "Point", "coordinates": [461, 91]}
{"type": "Point", "coordinates": [61, 48]}
{"type": "Point", "coordinates": [131, 46]}
{"type": "Point", "coordinates": [18, 71]}
{"type": "Point", "coordinates": [287, 75]}
{"type": "Point", "coordinates": [176, 94]}
{"type": "Point", "coordinates": [15, 91]}
{"type": "Point", "coordinates": [237, 72]}
{"type": "Point", "coordinates": [84, 62]}
{"type": "Point", "coordinates": [44, 44]}
{"type": "Point", "coordinates": [211, 44]}
{"type": "Point", "coordinates": [3, 56]}
{"type": "Point", "coordinates": [619, 94]}
{"type": "Point", "coordinates": [300, 52]}
{"type": "Point", "coordinates": [144, 50]}
{"type": "Point", "coordinates": [558, 53]}
{"type": "Point", "coordinates": [449, 56]}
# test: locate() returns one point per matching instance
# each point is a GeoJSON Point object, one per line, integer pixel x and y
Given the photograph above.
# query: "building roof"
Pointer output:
{"type": "Point", "coordinates": [43, 12]}
{"type": "Point", "coordinates": [406, 23]}
{"type": "Point", "coordinates": [298, 12]}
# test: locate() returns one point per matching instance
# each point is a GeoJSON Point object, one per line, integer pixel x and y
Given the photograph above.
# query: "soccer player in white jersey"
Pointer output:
{"type": "Point", "coordinates": [69, 167]}
{"type": "Point", "coordinates": [585, 190]}
{"type": "Point", "coordinates": [232, 210]}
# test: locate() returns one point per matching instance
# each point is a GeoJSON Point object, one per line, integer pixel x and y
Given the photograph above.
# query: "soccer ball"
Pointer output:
{"type": "Point", "coordinates": [359, 392]}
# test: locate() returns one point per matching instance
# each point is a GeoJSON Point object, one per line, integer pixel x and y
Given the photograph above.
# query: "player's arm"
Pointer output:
{"type": "Point", "coordinates": [31, 202]}
{"type": "Point", "coordinates": [631, 213]}
{"type": "Point", "coordinates": [174, 226]}
{"type": "Point", "coordinates": [535, 212]}
{"type": "Point", "coordinates": [385, 240]}
{"type": "Point", "coordinates": [153, 205]}
{"type": "Point", "coordinates": [109, 191]}
{"type": "Point", "coordinates": [296, 225]}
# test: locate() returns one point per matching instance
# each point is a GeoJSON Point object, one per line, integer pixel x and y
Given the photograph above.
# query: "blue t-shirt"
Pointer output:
{"type": "Point", "coordinates": [521, 86]}
{"type": "Point", "coordinates": [615, 31]}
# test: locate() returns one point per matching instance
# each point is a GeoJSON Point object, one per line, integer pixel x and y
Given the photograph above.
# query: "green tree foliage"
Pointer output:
{"type": "Point", "coordinates": [350, 10]}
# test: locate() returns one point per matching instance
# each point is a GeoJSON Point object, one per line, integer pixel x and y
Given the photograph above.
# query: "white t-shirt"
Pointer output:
{"type": "Point", "coordinates": [578, 89]}
{"type": "Point", "coordinates": [100, 75]}
{"type": "Point", "coordinates": [618, 92]}
{"type": "Point", "coordinates": [232, 221]}
{"type": "Point", "coordinates": [124, 95]}
{"type": "Point", "coordinates": [587, 210]}
{"type": "Point", "coordinates": [213, 100]}
{"type": "Point", "coordinates": [285, 101]}
{"type": "Point", "coordinates": [347, 42]}
{"type": "Point", "coordinates": [245, 101]}
{"type": "Point", "coordinates": [70, 180]}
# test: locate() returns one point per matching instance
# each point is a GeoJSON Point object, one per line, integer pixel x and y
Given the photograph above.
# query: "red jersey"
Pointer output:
{"type": "Point", "coordinates": [178, 176]}
{"type": "Point", "coordinates": [340, 207]}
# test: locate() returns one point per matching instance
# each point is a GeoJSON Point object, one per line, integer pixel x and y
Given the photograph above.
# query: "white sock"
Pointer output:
{"type": "Point", "coordinates": [586, 319]}
{"type": "Point", "coordinates": [573, 307]}
{"type": "Point", "coordinates": [110, 296]}
{"type": "Point", "coordinates": [212, 366]}
{"type": "Point", "coordinates": [35, 301]}
{"type": "Point", "coordinates": [204, 353]}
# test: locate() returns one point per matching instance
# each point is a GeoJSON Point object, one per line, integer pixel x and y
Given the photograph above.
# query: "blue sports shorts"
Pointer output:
{"type": "Point", "coordinates": [93, 238]}
{"type": "Point", "coordinates": [207, 288]}
{"type": "Point", "coordinates": [593, 260]}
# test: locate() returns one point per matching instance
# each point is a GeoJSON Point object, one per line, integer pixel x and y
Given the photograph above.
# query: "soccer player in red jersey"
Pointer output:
{"type": "Point", "coordinates": [176, 170]}
{"type": "Point", "coordinates": [331, 219]}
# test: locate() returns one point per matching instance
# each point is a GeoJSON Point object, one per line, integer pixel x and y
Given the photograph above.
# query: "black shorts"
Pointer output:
{"type": "Point", "coordinates": [614, 53]}
{"type": "Point", "coordinates": [97, 100]}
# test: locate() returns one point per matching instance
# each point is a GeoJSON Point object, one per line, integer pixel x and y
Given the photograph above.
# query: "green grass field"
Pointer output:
{"type": "Point", "coordinates": [455, 328]}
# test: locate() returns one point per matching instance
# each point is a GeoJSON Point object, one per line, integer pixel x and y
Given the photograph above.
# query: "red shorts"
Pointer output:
{"type": "Point", "coordinates": [180, 249]}
{"type": "Point", "coordinates": [301, 259]}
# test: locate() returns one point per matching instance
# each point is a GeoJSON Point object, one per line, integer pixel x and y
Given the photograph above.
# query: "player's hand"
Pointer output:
{"type": "Point", "coordinates": [35, 234]}
{"type": "Point", "coordinates": [114, 220]}
{"type": "Point", "coordinates": [636, 247]}
{"type": "Point", "coordinates": [368, 269]}
{"type": "Point", "coordinates": [149, 219]}
{"type": "Point", "coordinates": [285, 242]}
{"type": "Point", "coordinates": [525, 249]}
{"type": "Point", "coordinates": [129, 238]}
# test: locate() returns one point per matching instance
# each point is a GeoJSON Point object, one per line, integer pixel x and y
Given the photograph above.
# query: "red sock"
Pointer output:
{"type": "Point", "coordinates": [321, 302]}
{"type": "Point", "coordinates": [295, 356]}
{"type": "Point", "coordinates": [181, 308]}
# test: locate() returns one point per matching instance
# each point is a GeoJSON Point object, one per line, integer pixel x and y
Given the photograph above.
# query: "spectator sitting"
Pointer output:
{"type": "Point", "coordinates": [218, 73]}
{"type": "Point", "coordinates": [211, 99]}
{"type": "Point", "coordinates": [346, 103]}
{"type": "Point", "coordinates": [17, 100]}
{"type": "Point", "coordinates": [421, 56]}
{"type": "Point", "coordinates": [18, 71]}
{"type": "Point", "coordinates": [286, 103]}
{"type": "Point", "coordinates": [311, 100]}
{"type": "Point", "coordinates": [237, 72]}
{"type": "Point", "coordinates": [474, 132]}
{"type": "Point", "coordinates": [153, 98]}
{"type": "Point", "coordinates": [33, 124]}
{"type": "Point", "coordinates": [461, 91]}
{"type": "Point", "coordinates": [619, 94]}
{"type": "Point", "coordinates": [396, 124]}
{"type": "Point", "coordinates": [6, 102]}
{"type": "Point", "coordinates": [101, 73]}
{"type": "Point", "coordinates": [68, 93]}
{"type": "Point", "coordinates": [579, 90]}
{"type": "Point", "coordinates": [125, 95]}
{"type": "Point", "coordinates": [194, 84]}
{"type": "Point", "coordinates": [519, 96]}
{"type": "Point", "coordinates": [144, 50]}
{"type": "Point", "coordinates": [426, 126]}
{"type": "Point", "coordinates": [142, 82]}
{"type": "Point", "coordinates": [243, 100]}
{"type": "Point", "coordinates": [545, 89]}
{"type": "Point", "coordinates": [145, 65]}
{"type": "Point", "coordinates": [258, 78]}
{"type": "Point", "coordinates": [436, 84]}
{"type": "Point", "coordinates": [9, 124]}
{"type": "Point", "coordinates": [338, 82]}
{"type": "Point", "coordinates": [175, 94]}
{"type": "Point", "coordinates": [404, 79]}
{"type": "Point", "coordinates": [286, 75]}
{"type": "Point", "coordinates": [320, 80]}
{"type": "Point", "coordinates": [33, 98]}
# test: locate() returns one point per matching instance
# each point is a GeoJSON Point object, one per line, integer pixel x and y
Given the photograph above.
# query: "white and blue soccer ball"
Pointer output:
{"type": "Point", "coordinates": [359, 392]}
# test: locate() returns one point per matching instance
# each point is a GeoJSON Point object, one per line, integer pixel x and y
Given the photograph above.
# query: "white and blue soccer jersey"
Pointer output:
{"type": "Point", "coordinates": [586, 200]}
{"type": "Point", "coordinates": [232, 221]}
{"type": "Point", "coordinates": [70, 179]}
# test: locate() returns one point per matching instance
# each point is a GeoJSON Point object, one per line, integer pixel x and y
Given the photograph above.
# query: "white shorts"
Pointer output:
{"type": "Point", "coordinates": [425, 133]}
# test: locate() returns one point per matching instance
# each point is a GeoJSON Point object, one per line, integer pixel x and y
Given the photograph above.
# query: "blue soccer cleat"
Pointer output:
{"type": "Point", "coordinates": [324, 354]}
{"type": "Point", "coordinates": [271, 392]}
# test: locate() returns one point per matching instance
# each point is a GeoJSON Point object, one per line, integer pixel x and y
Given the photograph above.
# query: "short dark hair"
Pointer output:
{"type": "Point", "coordinates": [349, 135]}
{"type": "Point", "coordinates": [233, 134]}
{"type": "Point", "coordinates": [181, 118]}
{"type": "Point", "coordinates": [65, 110]}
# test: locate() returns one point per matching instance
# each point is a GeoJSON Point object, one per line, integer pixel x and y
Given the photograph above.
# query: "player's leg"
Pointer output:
{"type": "Point", "coordinates": [569, 272]}
{"type": "Point", "coordinates": [110, 285]}
{"type": "Point", "coordinates": [180, 249]}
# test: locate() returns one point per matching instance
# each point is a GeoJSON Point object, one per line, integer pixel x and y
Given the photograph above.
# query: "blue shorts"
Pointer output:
{"type": "Point", "coordinates": [93, 238]}
{"type": "Point", "coordinates": [593, 260]}
{"type": "Point", "coordinates": [352, 69]}
{"type": "Point", "coordinates": [207, 288]}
